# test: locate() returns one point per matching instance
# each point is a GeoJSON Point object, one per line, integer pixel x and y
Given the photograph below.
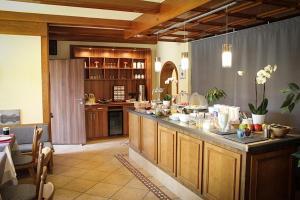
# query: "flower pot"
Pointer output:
{"type": "Point", "coordinates": [258, 119]}
{"type": "Point", "coordinates": [166, 103]}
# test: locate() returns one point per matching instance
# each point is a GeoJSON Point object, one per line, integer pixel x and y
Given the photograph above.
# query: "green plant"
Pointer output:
{"type": "Point", "coordinates": [261, 78]}
{"type": "Point", "coordinates": [167, 97]}
{"type": "Point", "coordinates": [292, 97]}
{"type": "Point", "coordinates": [214, 94]}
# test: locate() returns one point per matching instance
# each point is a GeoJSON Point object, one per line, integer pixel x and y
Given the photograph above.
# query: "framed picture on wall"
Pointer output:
{"type": "Point", "coordinates": [182, 74]}
{"type": "Point", "coordinates": [9, 117]}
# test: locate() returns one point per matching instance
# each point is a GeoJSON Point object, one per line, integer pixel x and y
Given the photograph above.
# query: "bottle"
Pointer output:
{"type": "Point", "coordinates": [267, 133]}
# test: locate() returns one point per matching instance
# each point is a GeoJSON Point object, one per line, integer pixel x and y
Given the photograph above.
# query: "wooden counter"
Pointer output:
{"type": "Point", "coordinates": [96, 119]}
{"type": "Point", "coordinates": [210, 165]}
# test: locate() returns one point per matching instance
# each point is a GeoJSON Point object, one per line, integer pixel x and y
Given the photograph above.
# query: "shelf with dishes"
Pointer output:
{"type": "Point", "coordinates": [113, 63]}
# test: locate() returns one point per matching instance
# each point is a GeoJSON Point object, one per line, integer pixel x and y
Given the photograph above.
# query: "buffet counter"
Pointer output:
{"type": "Point", "coordinates": [210, 165]}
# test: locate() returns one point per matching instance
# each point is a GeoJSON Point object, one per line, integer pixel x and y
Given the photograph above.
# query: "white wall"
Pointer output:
{"type": "Point", "coordinates": [21, 77]}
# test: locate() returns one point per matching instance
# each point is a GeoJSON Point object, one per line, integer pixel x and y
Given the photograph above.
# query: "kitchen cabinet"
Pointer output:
{"type": "Point", "coordinates": [149, 139]}
{"type": "Point", "coordinates": [126, 119]}
{"type": "Point", "coordinates": [134, 131]}
{"type": "Point", "coordinates": [167, 149]}
{"type": "Point", "coordinates": [189, 161]}
{"type": "Point", "coordinates": [221, 173]}
{"type": "Point", "coordinates": [96, 122]}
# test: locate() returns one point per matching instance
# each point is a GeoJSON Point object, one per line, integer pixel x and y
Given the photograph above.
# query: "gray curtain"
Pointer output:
{"type": "Point", "coordinates": [254, 48]}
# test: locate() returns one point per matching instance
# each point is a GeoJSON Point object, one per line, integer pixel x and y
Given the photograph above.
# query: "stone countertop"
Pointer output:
{"type": "Point", "coordinates": [211, 137]}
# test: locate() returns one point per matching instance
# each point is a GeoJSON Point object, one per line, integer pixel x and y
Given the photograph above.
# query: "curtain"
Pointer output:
{"type": "Point", "coordinates": [252, 49]}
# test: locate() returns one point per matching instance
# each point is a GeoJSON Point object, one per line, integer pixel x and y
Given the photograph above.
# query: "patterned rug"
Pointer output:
{"type": "Point", "coordinates": [148, 183]}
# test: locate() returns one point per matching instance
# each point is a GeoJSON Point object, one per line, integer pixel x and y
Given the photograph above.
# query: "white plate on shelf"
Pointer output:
{"type": "Point", "coordinates": [3, 138]}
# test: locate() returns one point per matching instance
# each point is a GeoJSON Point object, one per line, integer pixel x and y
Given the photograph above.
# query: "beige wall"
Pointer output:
{"type": "Point", "coordinates": [171, 51]}
{"type": "Point", "coordinates": [20, 76]}
{"type": "Point", "coordinates": [168, 51]}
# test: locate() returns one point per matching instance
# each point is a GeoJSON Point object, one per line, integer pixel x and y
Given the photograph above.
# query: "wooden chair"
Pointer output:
{"type": "Point", "coordinates": [28, 162]}
{"type": "Point", "coordinates": [25, 191]}
{"type": "Point", "coordinates": [46, 191]}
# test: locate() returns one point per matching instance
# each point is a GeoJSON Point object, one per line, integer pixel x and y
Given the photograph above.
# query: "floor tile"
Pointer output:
{"type": "Point", "coordinates": [59, 169]}
{"type": "Point", "coordinates": [58, 180]}
{"type": "Point", "coordinates": [168, 192]}
{"type": "Point", "coordinates": [117, 179]}
{"type": "Point", "coordinates": [130, 193]}
{"type": "Point", "coordinates": [150, 196]}
{"type": "Point", "coordinates": [62, 194]}
{"type": "Point", "coordinates": [103, 190]}
{"type": "Point", "coordinates": [90, 197]}
{"type": "Point", "coordinates": [95, 175]}
{"type": "Point", "coordinates": [79, 185]}
{"type": "Point", "coordinates": [136, 183]}
{"type": "Point", "coordinates": [74, 172]}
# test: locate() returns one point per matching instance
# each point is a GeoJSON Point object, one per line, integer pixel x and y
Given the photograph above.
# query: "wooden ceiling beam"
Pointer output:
{"type": "Point", "coordinates": [119, 5]}
{"type": "Point", "coordinates": [169, 9]}
{"type": "Point", "coordinates": [85, 31]}
{"type": "Point", "coordinates": [65, 20]}
{"type": "Point", "coordinates": [88, 38]}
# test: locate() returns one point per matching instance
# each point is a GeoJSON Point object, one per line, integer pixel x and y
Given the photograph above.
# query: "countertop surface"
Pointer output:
{"type": "Point", "coordinates": [214, 138]}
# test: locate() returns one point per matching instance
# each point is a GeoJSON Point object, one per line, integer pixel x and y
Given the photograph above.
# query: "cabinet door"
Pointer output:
{"type": "Point", "coordinates": [101, 122]}
{"type": "Point", "coordinates": [149, 139]}
{"type": "Point", "coordinates": [167, 149]}
{"type": "Point", "coordinates": [90, 123]}
{"type": "Point", "coordinates": [269, 176]}
{"type": "Point", "coordinates": [134, 131]}
{"type": "Point", "coordinates": [221, 173]}
{"type": "Point", "coordinates": [189, 161]}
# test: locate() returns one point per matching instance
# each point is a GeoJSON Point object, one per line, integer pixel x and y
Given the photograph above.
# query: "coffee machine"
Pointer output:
{"type": "Point", "coordinates": [142, 93]}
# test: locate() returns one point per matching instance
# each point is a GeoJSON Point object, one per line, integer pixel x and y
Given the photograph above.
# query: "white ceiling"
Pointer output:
{"type": "Point", "coordinates": [68, 11]}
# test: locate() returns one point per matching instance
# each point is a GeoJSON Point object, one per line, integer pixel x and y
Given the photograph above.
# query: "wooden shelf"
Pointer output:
{"type": "Point", "coordinates": [133, 79]}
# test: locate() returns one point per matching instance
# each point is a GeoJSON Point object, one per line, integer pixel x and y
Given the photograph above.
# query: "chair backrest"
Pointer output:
{"type": "Point", "coordinates": [46, 190]}
{"type": "Point", "coordinates": [47, 151]}
{"type": "Point", "coordinates": [39, 168]}
{"type": "Point", "coordinates": [37, 134]}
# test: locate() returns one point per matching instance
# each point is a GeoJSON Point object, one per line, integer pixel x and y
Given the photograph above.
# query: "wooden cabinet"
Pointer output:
{"type": "Point", "coordinates": [149, 139]}
{"type": "Point", "coordinates": [134, 131]}
{"type": "Point", "coordinates": [166, 158]}
{"type": "Point", "coordinates": [126, 120]}
{"type": "Point", "coordinates": [269, 177]}
{"type": "Point", "coordinates": [189, 161]}
{"type": "Point", "coordinates": [96, 123]}
{"type": "Point", "coordinates": [221, 173]}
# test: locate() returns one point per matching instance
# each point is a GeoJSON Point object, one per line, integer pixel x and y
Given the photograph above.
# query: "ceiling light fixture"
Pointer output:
{"type": "Point", "coordinates": [185, 55]}
{"type": "Point", "coordinates": [157, 64]}
{"type": "Point", "coordinates": [226, 49]}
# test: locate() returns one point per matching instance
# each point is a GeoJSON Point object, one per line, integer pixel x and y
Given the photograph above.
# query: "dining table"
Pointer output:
{"type": "Point", "coordinates": [7, 146]}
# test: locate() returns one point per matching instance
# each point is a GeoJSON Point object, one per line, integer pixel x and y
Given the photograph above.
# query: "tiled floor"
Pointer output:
{"type": "Point", "coordinates": [91, 172]}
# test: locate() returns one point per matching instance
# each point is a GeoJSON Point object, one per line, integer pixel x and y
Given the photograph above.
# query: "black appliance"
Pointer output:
{"type": "Point", "coordinates": [115, 121]}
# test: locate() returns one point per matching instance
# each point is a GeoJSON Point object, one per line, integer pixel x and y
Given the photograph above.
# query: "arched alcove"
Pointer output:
{"type": "Point", "coordinates": [169, 70]}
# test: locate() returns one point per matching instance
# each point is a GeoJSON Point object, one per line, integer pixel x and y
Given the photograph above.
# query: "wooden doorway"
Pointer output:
{"type": "Point", "coordinates": [169, 70]}
{"type": "Point", "coordinates": [67, 101]}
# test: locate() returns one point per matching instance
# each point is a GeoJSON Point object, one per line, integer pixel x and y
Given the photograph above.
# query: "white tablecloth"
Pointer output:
{"type": "Point", "coordinates": [9, 170]}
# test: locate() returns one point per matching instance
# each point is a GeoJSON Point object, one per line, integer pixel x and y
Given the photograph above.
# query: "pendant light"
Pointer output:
{"type": "Point", "coordinates": [157, 63]}
{"type": "Point", "coordinates": [226, 49]}
{"type": "Point", "coordinates": [184, 55]}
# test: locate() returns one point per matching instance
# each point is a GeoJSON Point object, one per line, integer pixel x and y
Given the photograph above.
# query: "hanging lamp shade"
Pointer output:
{"type": "Point", "coordinates": [226, 56]}
{"type": "Point", "coordinates": [184, 60]}
{"type": "Point", "coordinates": [157, 64]}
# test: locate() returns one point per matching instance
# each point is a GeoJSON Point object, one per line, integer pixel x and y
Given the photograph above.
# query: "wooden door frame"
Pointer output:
{"type": "Point", "coordinates": [167, 69]}
{"type": "Point", "coordinates": [34, 29]}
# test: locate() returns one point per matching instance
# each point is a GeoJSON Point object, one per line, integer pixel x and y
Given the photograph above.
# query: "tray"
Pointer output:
{"type": "Point", "coordinates": [246, 140]}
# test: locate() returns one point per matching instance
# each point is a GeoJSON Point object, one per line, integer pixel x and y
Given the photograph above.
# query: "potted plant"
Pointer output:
{"type": "Point", "coordinates": [259, 111]}
{"type": "Point", "coordinates": [167, 100]}
{"type": "Point", "coordinates": [292, 97]}
{"type": "Point", "coordinates": [214, 94]}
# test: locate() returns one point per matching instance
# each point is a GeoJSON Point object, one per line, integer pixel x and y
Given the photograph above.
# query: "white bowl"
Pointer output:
{"type": "Point", "coordinates": [174, 117]}
{"type": "Point", "coordinates": [184, 118]}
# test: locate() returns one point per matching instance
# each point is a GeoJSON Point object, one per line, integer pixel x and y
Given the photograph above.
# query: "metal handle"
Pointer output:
{"type": "Point", "coordinates": [99, 108]}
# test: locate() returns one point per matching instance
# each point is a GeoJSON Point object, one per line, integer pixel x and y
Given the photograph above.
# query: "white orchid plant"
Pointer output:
{"type": "Point", "coordinates": [261, 78]}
